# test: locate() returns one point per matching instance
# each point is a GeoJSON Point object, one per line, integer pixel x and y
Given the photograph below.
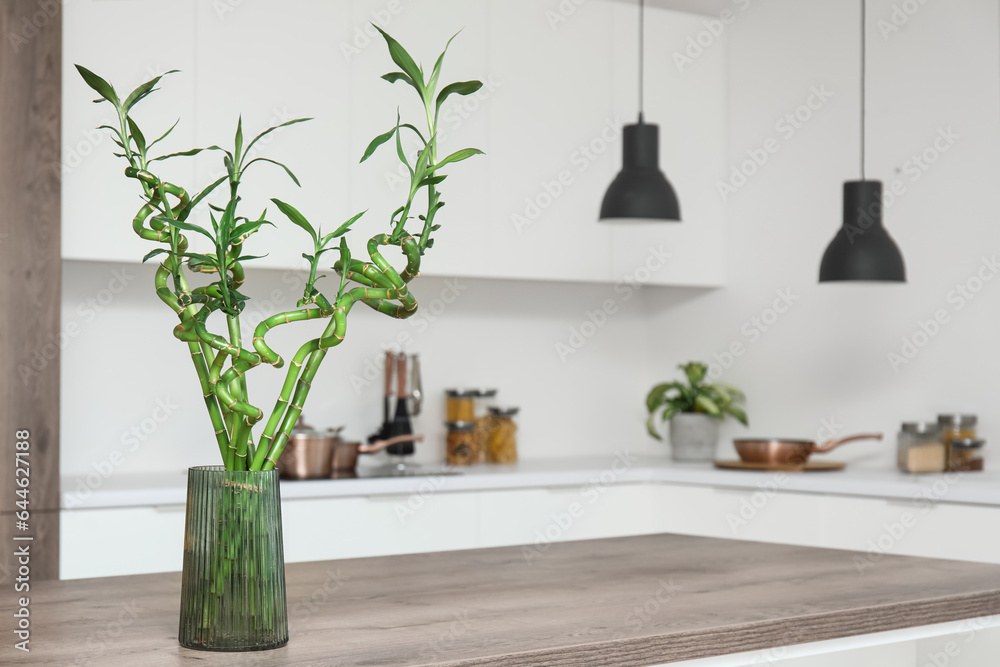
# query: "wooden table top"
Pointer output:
{"type": "Point", "coordinates": [624, 601]}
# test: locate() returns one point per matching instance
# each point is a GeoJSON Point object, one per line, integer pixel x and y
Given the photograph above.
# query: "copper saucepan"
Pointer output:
{"type": "Point", "coordinates": [345, 454]}
{"type": "Point", "coordinates": [776, 451]}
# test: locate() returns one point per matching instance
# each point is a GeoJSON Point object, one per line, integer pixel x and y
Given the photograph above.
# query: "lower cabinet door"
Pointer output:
{"type": "Point", "coordinates": [118, 541]}
{"type": "Point", "coordinates": [328, 528]}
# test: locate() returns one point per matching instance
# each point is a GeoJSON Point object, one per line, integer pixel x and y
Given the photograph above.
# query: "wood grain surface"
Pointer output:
{"type": "Point", "coordinates": [30, 273]}
{"type": "Point", "coordinates": [623, 601]}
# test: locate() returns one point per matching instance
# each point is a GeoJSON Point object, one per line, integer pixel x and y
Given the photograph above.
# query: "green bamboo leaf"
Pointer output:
{"type": "Point", "coordinates": [399, 147]}
{"type": "Point", "coordinates": [265, 159]}
{"type": "Point", "coordinates": [345, 260]}
{"type": "Point", "coordinates": [189, 153]}
{"type": "Point", "coordinates": [432, 180]}
{"type": "Point", "coordinates": [436, 72]}
{"type": "Point", "coordinates": [145, 89]}
{"type": "Point", "coordinates": [248, 228]}
{"type": "Point", "coordinates": [140, 141]}
{"type": "Point", "coordinates": [393, 77]}
{"type": "Point", "coordinates": [342, 229]}
{"type": "Point", "coordinates": [457, 88]}
{"type": "Point", "coordinates": [202, 263]}
{"type": "Point", "coordinates": [403, 59]}
{"type": "Point", "coordinates": [239, 138]}
{"type": "Point", "coordinates": [378, 141]}
{"type": "Point", "coordinates": [164, 135]}
{"type": "Point", "coordinates": [297, 218]}
{"type": "Point", "coordinates": [272, 129]}
{"type": "Point", "coordinates": [198, 198]}
{"type": "Point", "coordinates": [189, 227]}
{"type": "Point", "coordinates": [154, 253]}
{"type": "Point", "coordinates": [458, 156]}
{"type": "Point", "coordinates": [247, 258]}
{"type": "Point", "coordinates": [651, 427]}
{"type": "Point", "coordinates": [102, 87]}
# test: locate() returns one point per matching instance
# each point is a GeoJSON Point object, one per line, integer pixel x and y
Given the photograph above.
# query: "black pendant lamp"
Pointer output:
{"type": "Point", "coordinates": [641, 190]}
{"type": "Point", "coordinates": [862, 250]}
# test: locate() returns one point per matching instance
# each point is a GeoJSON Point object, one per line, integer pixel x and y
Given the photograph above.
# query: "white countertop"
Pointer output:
{"type": "Point", "coordinates": [169, 488]}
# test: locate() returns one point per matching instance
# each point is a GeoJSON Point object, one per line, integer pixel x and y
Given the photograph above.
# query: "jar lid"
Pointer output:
{"type": "Point", "coordinates": [966, 443]}
{"type": "Point", "coordinates": [461, 427]}
{"type": "Point", "coordinates": [957, 420]}
{"type": "Point", "coordinates": [503, 411]}
{"type": "Point", "coordinates": [461, 393]}
{"type": "Point", "coordinates": [486, 393]}
{"type": "Point", "coordinates": [921, 428]}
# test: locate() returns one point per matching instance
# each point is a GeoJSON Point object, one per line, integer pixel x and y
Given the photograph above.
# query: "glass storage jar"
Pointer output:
{"type": "Point", "coordinates": [920, 449]}
{"type": "Point", "coordinates": [481, 433]}
{"type": "Point", "coordinates": [460, 405]}
{"type": "Point", "coordinates": [461, 446]}
{"type": "Point", "coordinates": [956, 426]}
{"type": "Point", "coordinates": [502, 435]}
{"type": "Point", "coordinates": [965, 455]}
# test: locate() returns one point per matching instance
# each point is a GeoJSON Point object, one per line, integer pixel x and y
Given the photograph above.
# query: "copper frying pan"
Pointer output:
{"type": "Point", "coordinates": [776, 451]}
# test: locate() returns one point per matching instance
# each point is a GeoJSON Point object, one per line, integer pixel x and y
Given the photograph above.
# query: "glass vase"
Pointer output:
{"type": "Point", "coordinates": [233, 584]}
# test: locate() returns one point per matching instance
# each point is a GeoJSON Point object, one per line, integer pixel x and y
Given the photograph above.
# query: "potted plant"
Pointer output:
{"type": "Point", "coordinates": [233, 587]}
{"type": "Point", "coordinates": [694, 411]}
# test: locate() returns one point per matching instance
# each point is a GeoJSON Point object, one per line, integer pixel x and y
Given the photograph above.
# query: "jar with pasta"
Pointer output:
{"type": "Point", "coordinates": [460, 405]}
{"type": "Point", "coordinates": [461, 447]}
{"type": "Point", "coordinates": [502, 435]}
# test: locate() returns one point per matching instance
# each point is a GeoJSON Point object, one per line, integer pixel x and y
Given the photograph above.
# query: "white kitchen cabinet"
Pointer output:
{"type": "Point", "coordinates": [120, 42]}
{"type": "Point", "coordinates": [325, 528]}
{"type": "Point", "coordinates": [549, 117]}
{"type": "Point", "coordinates": [538, 517]}
{"type": "Point", "coordinates": [122, 540]}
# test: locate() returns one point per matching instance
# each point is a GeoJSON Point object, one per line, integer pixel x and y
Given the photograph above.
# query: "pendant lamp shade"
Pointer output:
{"type": "Point", "coordinates": [641, 190]}
{"type": "Point", "coordinates": [862, 249]}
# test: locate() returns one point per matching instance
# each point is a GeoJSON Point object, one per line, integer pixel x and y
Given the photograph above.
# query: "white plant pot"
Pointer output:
{"type": "Point", "coordinates": [693, 437]}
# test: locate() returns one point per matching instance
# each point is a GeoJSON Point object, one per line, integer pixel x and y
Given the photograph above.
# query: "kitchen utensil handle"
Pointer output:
{"type": "Point", "coordinates": [390, 362]}
{"type": "Point", "coordinates": [416, 387]}
{"type": "Point", "coordinates": [837, 442]}
{"type": "Point", "coordinates": [379, 445]}
{"type": "Point", "coordinates": [401, 375]}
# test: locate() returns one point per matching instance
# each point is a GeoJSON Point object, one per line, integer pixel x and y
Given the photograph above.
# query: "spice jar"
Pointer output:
{"type": "Point", "coordinates": [965, 454]}
{"type": "Point", "coordinates": [460, 448]}
{"type": "Point", "coordinates": [460, 405]}
{"type": "Point", "coordinates": [483, 423]}
{"type": "Point", "coordinates": [920, 449]}
{"type": "Point", "coordinates": [956, 426]}
{"type": "Point", "coordinates": [502, 435]}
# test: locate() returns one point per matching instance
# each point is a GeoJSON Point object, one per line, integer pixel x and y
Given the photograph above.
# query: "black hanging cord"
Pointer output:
{"type": "Point", "coordinates": [863, 90]}
{"type": "Point", "coordinates": [642, 20]}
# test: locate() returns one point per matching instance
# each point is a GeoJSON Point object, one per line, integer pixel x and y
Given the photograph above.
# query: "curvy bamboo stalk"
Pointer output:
{"type": "Point", "coordinates": [222, 363]}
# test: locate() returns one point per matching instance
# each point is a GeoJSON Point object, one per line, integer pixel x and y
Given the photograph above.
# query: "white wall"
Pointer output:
{"type": "Point", "coordinates": [826, 358]}
{"type": "Point", "coordinates": [121, 359]}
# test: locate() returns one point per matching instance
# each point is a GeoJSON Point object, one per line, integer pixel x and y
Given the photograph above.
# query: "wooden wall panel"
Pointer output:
{"type": "Point", "coordinates": [30, 272]}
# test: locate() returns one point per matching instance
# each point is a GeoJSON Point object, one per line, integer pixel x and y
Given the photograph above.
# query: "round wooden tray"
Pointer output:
{"type": "Point", "coordinates": [808, 466]}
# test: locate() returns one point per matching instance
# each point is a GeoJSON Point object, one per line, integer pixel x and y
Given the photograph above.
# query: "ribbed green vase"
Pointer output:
{"type": "Point", "coordinates": [233, 585]}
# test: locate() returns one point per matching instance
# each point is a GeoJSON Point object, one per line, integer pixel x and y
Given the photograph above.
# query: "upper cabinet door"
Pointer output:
{"type": "Point", "coordinates": [553, 141]}
{"type": "Point", "coordinates": [119, 42]}
{"type": "Point", "coordinates": [558, 87]}
{"type": "Point", "coordinates": [273, 62]}
{"type": "Point", "coordinates": [685, 94]}
{"type": "Point", "coordinates": [381, 184]}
